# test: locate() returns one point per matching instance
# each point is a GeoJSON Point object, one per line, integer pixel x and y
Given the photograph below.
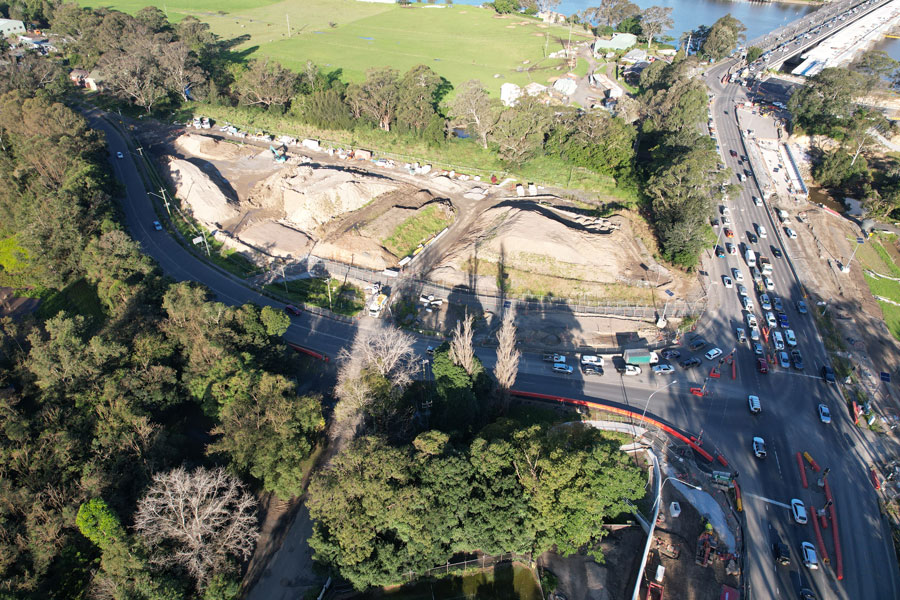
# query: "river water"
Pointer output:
{"type": "Point", "coordinates": [758, 17]}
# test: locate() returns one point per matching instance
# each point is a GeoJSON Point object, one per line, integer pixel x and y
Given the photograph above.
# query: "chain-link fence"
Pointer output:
{"type": "Point", "coordinates": [312, 266]}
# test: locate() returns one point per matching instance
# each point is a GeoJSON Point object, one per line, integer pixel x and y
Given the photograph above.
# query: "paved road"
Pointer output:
{"type": "Point", "coordinates": [788, 422]}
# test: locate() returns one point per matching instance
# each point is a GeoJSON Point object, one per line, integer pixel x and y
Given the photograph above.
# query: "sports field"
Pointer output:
{"type": "Point", "coordinates": [459, 42]}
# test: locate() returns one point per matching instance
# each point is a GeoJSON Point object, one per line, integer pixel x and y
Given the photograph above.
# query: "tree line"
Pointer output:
{"type": "Point", "coordinates": [113, 425]}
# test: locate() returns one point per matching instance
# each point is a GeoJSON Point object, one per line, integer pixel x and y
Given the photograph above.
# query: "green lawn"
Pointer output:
{"type": "Point", "coordinates": [504, 582]}
{"type": "Point", "coordinates": [459, 42]}
{"type": "Point", "coordinates": [344, 299]}
{"type": "Point", "coordinates": [416, 229]}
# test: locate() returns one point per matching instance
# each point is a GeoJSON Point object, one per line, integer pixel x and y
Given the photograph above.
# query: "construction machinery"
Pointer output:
{"type": "Point", "coordinates": [280, 153]}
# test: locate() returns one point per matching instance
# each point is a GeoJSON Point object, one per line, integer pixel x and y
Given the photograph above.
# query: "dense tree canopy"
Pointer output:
{"type": "Point", "coordinates": [722, 37]}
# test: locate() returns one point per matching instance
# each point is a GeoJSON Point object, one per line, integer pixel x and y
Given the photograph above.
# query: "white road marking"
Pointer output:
{"type": "Point", "coordinates": [768, 500]}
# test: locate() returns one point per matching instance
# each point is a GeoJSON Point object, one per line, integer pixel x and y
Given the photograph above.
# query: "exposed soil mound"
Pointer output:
{"type": "Point", "coordinates": [275, 239]}
{"type": "Point", "coordinates": [309, 197]}
{"type": "Point", "coordinates": [204, 198]}
{"type": "Point", "coordinates": [537, 239]}
{"type": "Point", "coordinates": [202, 146]}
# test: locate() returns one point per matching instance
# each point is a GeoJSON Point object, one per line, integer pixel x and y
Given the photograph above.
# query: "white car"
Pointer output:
{"type": "Point", "coordinates": [770, 320]}
{"type": "Point", "coordinates": [761, 231]}
{"type": "Point", "coordinates": [810, 560]}
{"type": "Point", "coordinates": [799, 511]}
{"type": "Point", "coordinates": [663, 369]}
{"type": "Point", "coordinates": [632, 370]}
{"type": "Point", "coordinates": [751, 320]}
{"type": "Point", "coordinates": [726, 281]}
{"type": "Point", "coordinates": [562, 368]}
{"type": "Point", "coordinates": [824, 414]}
{"type": "Point", "coordinates": [755, 406]}
{"type": "Point", "coordinates": [770, 285]}
{"type": "Point", "coordinates": [754, 334]}
{"type": "Point", "coordinates": [748, 304]}
{"type": "Point", "coordinates": [725, 220]}
{"type": "Point", "coordinates": [757, 201]}
{"type": "Point", "coordinates": [765, 302]}
{"type": "Point", "coordinates": [736, 273]}
{"type": "Point", "coordinates": [759, 447]}
{"type": "Point", "coordinates": [789, 337]}
{"type": "Point", "coordinates": [726, 210]}
{"type": "Point", "coordinates": [592, 359]}
{"type": "Point", "coordinates": [790, 233]}
{"type": "Point", "coordinates": [742, 291]}
{"type": "Point", "coordinates": [778, 340]}
{"type": "Point", "coordinates": [713, 354]}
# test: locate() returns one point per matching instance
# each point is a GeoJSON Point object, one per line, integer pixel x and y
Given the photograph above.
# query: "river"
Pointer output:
{"type": "Point", "coordinates": [758, 17]}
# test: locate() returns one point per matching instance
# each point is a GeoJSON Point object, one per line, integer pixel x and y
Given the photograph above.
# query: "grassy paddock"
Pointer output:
{"type": "Point", "coordinates": [345, 299]}
{"type": "Point", "coordinates": [459, 42]}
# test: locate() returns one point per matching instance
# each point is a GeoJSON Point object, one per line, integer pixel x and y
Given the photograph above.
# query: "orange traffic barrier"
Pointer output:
{"type": "Point", "coordinates": [837, 543]}
{"type": "Point", "coordinates": [824, 522]}
{"type": "Point", "coordinates": [812, 463]}
{"type": "Point", "coordinates": [733, 370]}
{"type": "Point", "coordinates": [854, 412]}
{"type": "Point", "coordinates": [722, 460]}
{"type": "Point", "coordinates": [714, 373]}
{"type": "Point", "coordinates": [737, 495]}
{"type": "Point", "coordinates": [819, 541]}
{"type": "Point", "coordinates": [697, 391]}
{"type": "Point", "coordinates": [802, 470]}
{"type": "Point", "coordinates": [874, 477]}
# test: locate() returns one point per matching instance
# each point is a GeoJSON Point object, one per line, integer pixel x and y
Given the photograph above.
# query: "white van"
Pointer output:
{"type": "Point", "coordinates": [750, 257]}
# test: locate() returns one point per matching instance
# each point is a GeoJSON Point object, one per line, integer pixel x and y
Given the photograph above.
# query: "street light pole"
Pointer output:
{"type": "Point", "coordinates": [647, 405]}
{"type": "Point", "coordinates": [640, 576]}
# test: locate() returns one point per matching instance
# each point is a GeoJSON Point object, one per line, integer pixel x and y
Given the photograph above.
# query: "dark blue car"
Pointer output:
{"type": "Point", "coordinates": [783, 321]}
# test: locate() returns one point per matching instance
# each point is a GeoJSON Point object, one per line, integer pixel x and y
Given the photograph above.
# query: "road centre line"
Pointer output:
{"type": "Point", "coordinates": [764, 499]}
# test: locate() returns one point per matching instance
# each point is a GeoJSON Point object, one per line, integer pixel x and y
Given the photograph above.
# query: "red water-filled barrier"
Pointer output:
{"type": "Point", "coordinates": [802, 470]}
{"type": "Point", "coordinates": [819, 541]}
{"type": "Point", "coordinates": [309, 352]}
{"type": "Point", "coordinates": [874, 477]}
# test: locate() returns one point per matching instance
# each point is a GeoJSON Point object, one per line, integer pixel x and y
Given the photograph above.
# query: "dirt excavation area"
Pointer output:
{"type": "Point", "coordinates": [288, 201]}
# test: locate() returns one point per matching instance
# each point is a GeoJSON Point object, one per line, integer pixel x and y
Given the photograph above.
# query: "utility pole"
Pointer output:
{"type": "Point", "coordinates": [284, 279]}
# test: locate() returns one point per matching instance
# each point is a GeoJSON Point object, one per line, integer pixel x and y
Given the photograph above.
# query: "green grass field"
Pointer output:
{"type": "Point", "coordinates": [459, 42]}
{"type": "Point", "coordinates": [878, 255]}
{"type": "Point", "coordinates": [415, 230]}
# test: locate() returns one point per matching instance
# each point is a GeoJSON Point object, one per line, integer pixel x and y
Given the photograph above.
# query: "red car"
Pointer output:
{"type": "Point", "coordinates": [733, 153]}
{"type": "Point", "coordinates": [762, 365]}
{"type": "Point", "coordinates": [729, 233]}
{"type": "Point", "coordinates": [293, 310]}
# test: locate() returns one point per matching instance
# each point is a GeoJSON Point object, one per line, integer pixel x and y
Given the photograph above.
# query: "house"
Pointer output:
{"type": "Point", "coordinates": [550, 17]}
{"type": "Point", "coordinates": [10, 27]}
{"type": "Point", "coordinates": [360, 154]}
{"type": "Point", "coordinates": [94, 81]}
{"type": "Point", "coordinates": [33, 41]}
{"type": "Point", "coordinates": [78, 76]}
{"type": "Point", "coordinates": [619, 41]}
{"type": "Point", "coordinates": [635, 56]}
{"type": "Point", "coordinates": [510, 94]}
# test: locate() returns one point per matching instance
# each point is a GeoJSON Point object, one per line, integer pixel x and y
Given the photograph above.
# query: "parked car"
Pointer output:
{"type": "Point", "coordinates": [789, 337]}
{"type": "Point", "coordinates": [741, 335]}
{"type": "Point", "coordinates": [562, 368]}
{"type": "Point", "coordinates": [719, 252]}
{"type": "Point", "coordinates": [778, 340]}
{"type": "Point", "coordinates": [726, 281]}
{"type": "Point", "coordinates": [798, 510]}
{"type": "Point", "coordinates": [713, 354]}
{"type": "Point", "coordinates": [759, 447]}
{"type": "Point", "coordinates": [729, 247]}
{"type": "Point", "coordinates": [751, 237]}
{"type": "Point", "coordinates": [751, 320]}
{"type": "Point", "coordinates": [783, 320]}
{"type": "Point", "coordinates": [747, 303]}
{"type": "Point", "coordinates": [761, 231]}
{"type": "Point", "coordinates": [632, 370]}
{"type": "Point", "coordinates": [770, 320]}
{"type": "Point", "coordinates": [784, 360]}
{"type": "Point", "coordinates": [762, 366]}
{"type": "Point", "coordinates": [757, 348]}
{"type": "Point", "coordinates": [736, 273]}
{"type": "Point", "coordinates": [741, 290]}
{"type": "Point", "coordinates": [690, 363]}
{"type": "Point", "coordinates": [824, 414]}
{"type": "Point", "coordinates": [697, 343]}
{"type": "Point", "coordinates": [801, 307]}
{"type": "Point", "coordinates": [757, 201]}
{"type": "Point", "coordinates": [790, 233]}
{"type": "Point", "coordinates": [591, 369]}
{"type": "Point", "coordinates": [765, 302]}
{"type": "Point", "coordinates": [770, 285]}
{"type": "Point", "coordinates": [671, 353]}
{"type": "Point", "coordinates": [293, 310]}
{"type": "Point", "coordinates": [663, 369]}
{"type": "Point", "coordinates": [797, 359]}
{"type": "Point", "coordinates": [778, 304]}
{"type": "Point", "coordinates": [729, 233]}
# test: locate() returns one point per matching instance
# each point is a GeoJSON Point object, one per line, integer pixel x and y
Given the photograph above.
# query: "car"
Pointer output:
{"type": "Point", "coordinates": [663, 369]}
{"type": "Point", "coordinates": [747, 303]}
{"type": "Point", "coordinates": [120, 155]}
{"type": "Point", "coordinates": [754, 334]}
{"type": "Point", "coordinates": [828, 374]}
{"type": "Point", "coordinates": [797, 359]}
{"type": "Point", "coordinates": [429, 350]}
{"type": "Point", "coordinates": [781, 553]}
{"type": "Point", "coordinates": [783, 320]}
{"type": "Point", "coordinates": [765, 302]}
{"type": "Point", "coordinates": [632, 370]}
{"type": "Point", "coordinates": [726, 210]}
{"type": "Point", "coordinates": [741, 290]}
{"type": "Point", "coordinates": [736, 273]}
{"type": "Point", "coordinates": [759, 447]}
{"type": "Point", "coordinates": [157, 226]}
{"type": "Point", "coordinates": [713, 354]}
{"type": "Point", "coordinates": [761, 231]}
{"type": "Point", "coordinates": [697, 343]}
{"type": "Point", "coordinates": [755, 406]}
{"type": "Point", "coordinates": [730, 248]}
{"type": "Point", "coordinates": [725, 220]}
{"type": "Point", "coordinates": [762, 366]}
{"type": "Point", "coordinates": [293, 310]}
{"type": "Point", "coordinates": [751, 320]}
{"type": "Point", "coordinates": [789, 337]}
{"type": "Point", "coordinates": [755, 275]}
{"type": "Point", "coordinates": [808, 552]}
{"type": "Point", "coordinates": [690, 363]}
{"type": "Point", "coordinates": [757, 348]}
{"type": "Point", "coordinates": [784, 360]}
{"type": "Point", "coordinates": [790, 233]}
{"type": "Point", "coordinates": [591, 369]}
{"type": "Point", "coordinates": [776, 252]}
{"type": "Point", "coordinates": [801, 307]}
{"type": "Point", "coordinates": [720, 253]}
{"type": "Point", "coordinates": [740, 334]}
{"type": "Point", "coordinates": [770, 320]}
{"type": "Point", "coordinates": [778, 304]}
{"type": "Point", "coordinates": [799, 511]}
{"type": "Point", "coordinates": [733, 153]}
{"type": "Point", "coordinates": [744, 157]}
{"type": "Point", "coordinates": [562, 368]}
{"type": "Point", "coordinates": [670, 353]}
{"type": "Point", "coordinates": [770, 285]}
{"type": "Point", "coordinates": [824, 414]}
{"type": "Point", "coordinates": [757, 201]}
{"type": "Point", "coordinates": [729, 233]}
{"type": "Point", "coordinates": [726, 281]}
{"type": "Point", "coordinates": [778, 340]}
{"type": "Point", "coordinates": [752, 237]}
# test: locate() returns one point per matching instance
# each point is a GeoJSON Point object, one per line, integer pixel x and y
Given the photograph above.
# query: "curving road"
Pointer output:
{"type": "Point", "coordinates": [788, 422]}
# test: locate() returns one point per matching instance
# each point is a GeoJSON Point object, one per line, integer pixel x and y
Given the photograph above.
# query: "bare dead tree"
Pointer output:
{"type": "Point", "coordinates": [181, 70]}
{"type": "Point", "coordinates": [197, 520]}
{"type": "Point", "coordinates": [507, 367]}
{"type": "Point", "coordinates": [462, 350]}
{"type": "Point", "coordinates": [389, 351]}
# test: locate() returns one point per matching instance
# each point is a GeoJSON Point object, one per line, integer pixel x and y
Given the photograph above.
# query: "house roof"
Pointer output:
{"type": "Point", "coordinates": [619, 41]}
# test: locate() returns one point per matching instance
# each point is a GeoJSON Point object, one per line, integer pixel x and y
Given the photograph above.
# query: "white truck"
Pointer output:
{"type": "Point", "coordinates": [750, 257]}
{"type": "Point", "coordinates": [377, 304]}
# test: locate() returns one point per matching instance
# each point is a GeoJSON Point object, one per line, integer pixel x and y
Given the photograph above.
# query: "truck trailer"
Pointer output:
{"type": "Point", "coordinates": [640, 356]}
